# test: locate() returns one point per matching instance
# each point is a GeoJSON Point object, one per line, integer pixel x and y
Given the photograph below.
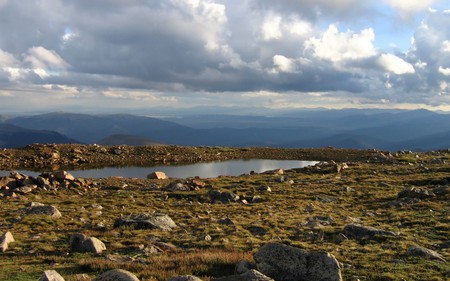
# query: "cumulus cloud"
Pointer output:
{"type": "Point", "coordinates": [407, 7]}
{"type": "Point", "coordinates": [340, 46]}
{"type": "Point", "coordinates": [395, 64]}
{"type": "Point", "coordinates": [283, 64]}
{"type": "Point", "coordinates": [444, 70]}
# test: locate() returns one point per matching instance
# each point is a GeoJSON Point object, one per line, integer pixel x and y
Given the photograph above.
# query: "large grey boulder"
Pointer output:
{"type": "Point", "coordinates": [287, 263]}
{"type": "Point", "coordinates": [5, 239]}
{"type": "Point", "coordinates": [146, 221]}
{"type": "Point", "coordinates": [51, 275]}
{"type": "Point", "coordinates": [35, 208]}
{"type": "Point", "coordinates": [116, 275]}
{"type": "Point", "coordinates": [83, 244]}
{"type": "Point", "coordinates": [184, 278]}
{"type": "Point", "coordinates": [359, 232]}
{"type": "Point", "coordinates": [251, 275]}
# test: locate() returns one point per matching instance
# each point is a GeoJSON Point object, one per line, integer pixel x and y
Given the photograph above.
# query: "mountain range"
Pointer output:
{"type": "Point", "coordinates": [350, 128]}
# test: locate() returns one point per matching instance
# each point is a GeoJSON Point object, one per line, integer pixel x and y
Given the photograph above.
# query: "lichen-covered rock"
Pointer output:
{"type": "Point", "coordinates": [146, 221]}
{"type": "Point", "coordinates": [83, 244]}
{"type": "Point", "coordinates": [287, 263]}
{"type": "Point", "coordinates": [414, 192]}
{"type": "Point", "coordinates": [359, 232]}
{"type": "Point", "coordinates": [41, 209]}
{"type": "Point", "coordinates": [51, 275]}
{"type": "Point", "coordinates": [116, 275]}
{"type": "Point", "coordinates": [5, 239]}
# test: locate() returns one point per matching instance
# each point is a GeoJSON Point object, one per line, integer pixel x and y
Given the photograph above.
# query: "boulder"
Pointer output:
{"type": "Point", "coordinates": [359, 232]}
{"type": "Point", "coordinates": [287, 263]}
{"type": "Point", "coordinates": [35, 208]}
{"type": "Point", "coordinates": [51, 275]}
{"type": "Point", "coordinates": [146, 221]}
{"type": "Point", "coordinates": [157, 176]}
{"type": "Point", "coordinates": [116, 275]}
{"type": "Point", "coordinates": [251, 275]}
{"type": "Point", "coordinates": [184, 278]}
{"type": "Point", "coordinates": [5, 239]}
{"type": "Point", "coordinates": [424, 252]}
{"type": "Point", "coordinates": [177, 186]}
{"type": "Point", "coordinates": [83, 244]}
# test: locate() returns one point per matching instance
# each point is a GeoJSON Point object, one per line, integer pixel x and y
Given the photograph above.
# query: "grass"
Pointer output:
{"type": "Point", "coordinates": [362, 192]}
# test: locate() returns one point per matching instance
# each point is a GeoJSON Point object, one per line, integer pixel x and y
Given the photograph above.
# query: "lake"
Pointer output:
{"type": "Point", "coordinates": [203, 170]}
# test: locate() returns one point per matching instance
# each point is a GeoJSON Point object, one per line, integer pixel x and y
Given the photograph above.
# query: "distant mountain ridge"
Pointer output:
{"type": "Point", "coordinates": [14, 136]}
{"type": "Point", "coordinates": [352, 128]}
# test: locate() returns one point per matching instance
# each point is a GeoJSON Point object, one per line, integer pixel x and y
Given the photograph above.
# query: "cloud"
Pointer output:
{"type": "Point", "coordinates": [407, 7]}
{"type": "Point", "coordinates": [194, 52]}
{"type": "Point", "coordinates": [395, 64]}
{"type": "Point", "coordinates": [444, 70]}
{"type": "Point", "coordinates": [338, 46]}
{"type": "Point", "coordinates": [283, 64]}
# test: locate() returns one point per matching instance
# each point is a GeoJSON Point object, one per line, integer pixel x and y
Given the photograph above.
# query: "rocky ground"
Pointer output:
{"type": "Point", "coordinates": [357, 215]}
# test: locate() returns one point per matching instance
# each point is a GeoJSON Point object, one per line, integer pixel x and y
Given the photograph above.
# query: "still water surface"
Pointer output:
{"type": "Point", "coordinates": [203, 170]}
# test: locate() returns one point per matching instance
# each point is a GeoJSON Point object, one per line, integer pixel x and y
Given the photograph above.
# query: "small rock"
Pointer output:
{"type": "Point", "coordinates": [359, 232]}
{"type": "Point", "coordinates": [63, 175]}
{"type": "Point", "coordinates": [424, 252]}
{"type": "Point", "coordinates": [184, 278]}
{"type": "Point", "coordinates": [41, 209]}
{"type": "Point", "coordinates": [251, 275]}
{"type": "Point", "coordinates": [157, 176]}
{"type": "Point", "coordinates": [264, 188]}
{"type": "Point", "coordinates": [243, 266]}
{"type": "Point", "coordinates": [5, 239]}
{"type": "Point", "coordinates": [414, 192]}
{"type": "Point", "coordinates": [83, 244]}
{"type": "Point", "coordinates": [51, 275]}
{"type": "Point", "coordinates": [147, 221]}
{"type": "Point", "coordinates": [116, 275]}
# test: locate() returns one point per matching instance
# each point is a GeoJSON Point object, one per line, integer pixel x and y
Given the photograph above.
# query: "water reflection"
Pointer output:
{"type": "Point", "coordinates": [203, 170]}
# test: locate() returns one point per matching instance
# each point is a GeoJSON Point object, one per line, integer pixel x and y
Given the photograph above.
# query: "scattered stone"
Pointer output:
{"type": "Point", "coordinates": [243, 266]}
{"type": "Point", "coordinates": [424, 252]}
{"type": "Point", "coordinates": [287, 263]}
{"type": "Point", "coordinates": [414, 192]}
{"type": "Point", "coordinates": [360, 232]}
{"type": "Point", "coordinates": [184, 278]}
{"type": "Point", "coordinates": [83, 244]}
{"type": "Point", "coordinates": [251, 275]}
{"type": "Point", "coordinates": [226, 221]}
{"type": "Point", "coordinates": [5, 239]}
{"type": "Point", "coordinates": [207, 237]}
{"type": "Point", "coordinates": [36, 208]}
{"type": "Point", "coordinates": [146, 221]}
{"type": "Point", "coordinates": [51, 275]}
{"type": "Point", "coordinates": [264, 188]}
{"type": "Point", "coordinates": [224, 197]}
{"type": "Point", "coordinates": [157, 176]}
{"type": "Point", "coordinates": [441, 190]}
{"type": "Point", "coordinates": [177, 186]}
{"type": "Point", "coordinates": [116, 275]}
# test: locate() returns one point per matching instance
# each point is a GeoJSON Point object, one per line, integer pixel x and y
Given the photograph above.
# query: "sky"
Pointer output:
{"type": "Point", "coordinates": [138, 56]}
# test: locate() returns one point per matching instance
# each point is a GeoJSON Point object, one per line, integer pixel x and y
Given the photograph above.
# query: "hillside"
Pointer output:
{"type": "Point", "coordinates": [14, 136]}
{"type": "Point", "coordinates": [382, 217]}
{"type": "Point", "coordinates": [351, 128]}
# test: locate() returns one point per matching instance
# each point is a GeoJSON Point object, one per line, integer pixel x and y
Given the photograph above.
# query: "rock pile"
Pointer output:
{"type": "Point", "coordinates": [22, 184]}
